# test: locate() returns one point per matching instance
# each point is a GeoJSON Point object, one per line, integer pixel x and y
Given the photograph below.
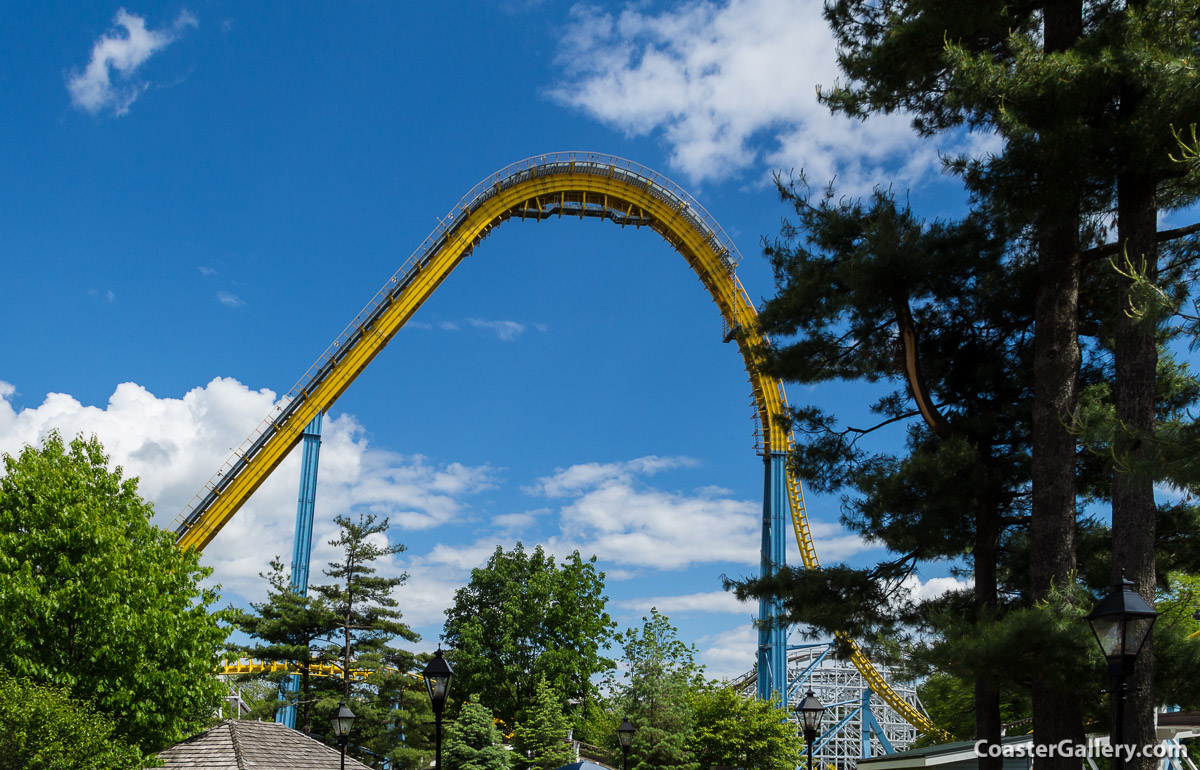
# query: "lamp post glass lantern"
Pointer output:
{"type": "Point", "coordinates": [343, 720]}
{"type": "Point", "coordinates": [625, 738]}
{"type": "Point", "coordinates": [438, 675]}
{"type": "Point", "coordinates": [1121, 622]}
{"type": "Point", "coordinates": [810, 710]}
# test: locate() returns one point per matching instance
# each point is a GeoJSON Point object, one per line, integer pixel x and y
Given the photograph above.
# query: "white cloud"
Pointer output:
{"type": "Point", "coordinates": [506, 331]}
{"type": "Point", "coordinates": [230, 300]}
{"type": "Point", "coordinates": [579, 478]}
{"type": "Point", "coordinates": [729, 654]}
{"type": "Point", "coordinates": [708, 602]}
{"type": "Point", "coordinates": [175, 444]}
{"type": "Point", "coordinates": [121, 54]}
{"type": "Point", "coordinates": [920, 590]}
{"type": "Point", "coordinates": [731, 86]}
{"type": "Point", "coordinates": [612, 514]}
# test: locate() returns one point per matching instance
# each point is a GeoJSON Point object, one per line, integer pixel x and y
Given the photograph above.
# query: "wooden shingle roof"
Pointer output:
{"type": "Point", "coordinates": [244, 745]}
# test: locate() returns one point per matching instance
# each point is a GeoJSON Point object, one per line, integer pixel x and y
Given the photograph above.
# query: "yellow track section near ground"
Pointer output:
{"type": "Point", "coordinates": [560, 184]}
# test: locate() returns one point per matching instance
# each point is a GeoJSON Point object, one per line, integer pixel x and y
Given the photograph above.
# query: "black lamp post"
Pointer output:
{"type": "Point", "coordinates": [810, 711]}
{"type": "Point", "coordinates": [1121, 622]}
{"type": "Point", "coordinates": [437, 676]}
{"type": "Point", "coordinates": [625, 738]}
{"type": "Point", "coordinates": [343, 720]}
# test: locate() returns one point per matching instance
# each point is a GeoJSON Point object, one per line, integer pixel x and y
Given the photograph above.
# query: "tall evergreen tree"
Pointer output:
{"type": "Point", "coordinates": [473, 742]}
{"type": "Point", "coordinates": [541, 740]}
{"type": "Point", "coordinates": [939, 312]}
{"type": "Point", "coordinates": [366, 618]}
{"type": "Point", "coordinates": [1082, 95]}
{"type": "Point", "coordinates": [365, 627]}
{"type": "Point", "coordinates": [289, 629]}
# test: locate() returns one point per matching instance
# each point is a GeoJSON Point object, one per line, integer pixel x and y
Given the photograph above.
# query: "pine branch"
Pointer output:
{"type": "Point", "coordinates": [1111, 249]}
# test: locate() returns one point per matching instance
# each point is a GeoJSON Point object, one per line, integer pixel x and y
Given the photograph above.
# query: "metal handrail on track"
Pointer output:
{"type": "Point", "coordinates": [586, 184]}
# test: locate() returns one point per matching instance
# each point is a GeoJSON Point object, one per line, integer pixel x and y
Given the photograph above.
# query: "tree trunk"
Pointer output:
{"type": "Point", "coordinates": [1134, 513]}
{"type": "Point", "coordinates": [986, 555]}
{"type": "Point", "coordinates": [1056, 711]}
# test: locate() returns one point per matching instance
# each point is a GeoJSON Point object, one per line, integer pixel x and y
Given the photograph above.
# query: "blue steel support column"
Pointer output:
{"type": "Point", "coordinates": [302, 548]}
{"type": "Point", "coordinates": [772, 635]}
{"type": "Point", "coordinates": [866, 724]}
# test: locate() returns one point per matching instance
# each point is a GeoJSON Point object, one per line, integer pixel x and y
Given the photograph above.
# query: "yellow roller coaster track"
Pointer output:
{"type": "Point", "coordinates": [559, 184]}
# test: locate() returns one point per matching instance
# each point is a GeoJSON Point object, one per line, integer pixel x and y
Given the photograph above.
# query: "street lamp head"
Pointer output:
{"type": "Point", "coordinates": [625, 735]}
{"type": "Point", "coordinates": [343, 720]}
{"type": "Point", "coordinates": [438, 675]}
{"type": "Point", "coordinates": [810, 710]}
{"type": "Point", "coordinates": [1121, 622]}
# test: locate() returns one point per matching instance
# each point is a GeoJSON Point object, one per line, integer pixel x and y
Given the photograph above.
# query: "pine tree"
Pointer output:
{"type": "Point", "coordinates": [1083, 96]}
{"type": "Point", "coordinates": [362, 602]}
{"type": "Point", "coordinates": [473, 742]}
{"type": "Point", "coordinates": [542, 740]}
{"type": "Point", "coordinates": [366, 625]}
{"type": "Point", "coordinates": [290, 629]}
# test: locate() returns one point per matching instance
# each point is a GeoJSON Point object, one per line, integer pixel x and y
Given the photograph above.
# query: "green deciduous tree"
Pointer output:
{"type": "Point", "coordinates": [473, 742]}
{"type": "Point", "coordinates": [522, 618]}
{"type": "Point", "coordinates": [542, 739]}
{"type": "Point", "coordinates": [661, 673]}
{"type": "Point", "coordinates": [734, 731]}
{"type": "Point", "coordinates": [99, 601]}
{"type": "Point", "coordinates": [43, 728]}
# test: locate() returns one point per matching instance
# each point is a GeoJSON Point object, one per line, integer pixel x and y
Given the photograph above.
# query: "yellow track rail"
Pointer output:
{"type": "Point", "coordinates": [571, 184]}
{"type": "Point", "coordinates": [242, 666]}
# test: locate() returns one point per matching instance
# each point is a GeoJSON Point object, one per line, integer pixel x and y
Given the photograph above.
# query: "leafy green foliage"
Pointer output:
{"type": "Point", "coordinates": [733, 731]}
{"type": "Point", "coordinates": [661, 673]}
{"type": "Point", "coordinates": [473, 742]}
{"type": "Point", "coordinates": [950, 702]}
{"type": "Point", "coordinates": [542, 739]}
{"type": "Point", "coordinates": [523, 618]}
{"type": "Point", "coordinates": [1177, 642]}
{"type": "Point", "coordinates": [98, 601]}
{"type": "Point", "coordinates": [44, 728]}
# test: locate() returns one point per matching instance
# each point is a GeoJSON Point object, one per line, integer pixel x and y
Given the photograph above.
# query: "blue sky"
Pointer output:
{"type": "Point", "coordinates": [198, 197]}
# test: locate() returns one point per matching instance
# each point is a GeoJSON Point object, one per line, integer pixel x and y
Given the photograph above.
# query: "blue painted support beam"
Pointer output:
{"type": "Point", "coordinates": [797, 683]}
{"type": "Point", "coordinates": [302, 550]}
{"type": "Point", "coordinates": [866, 725]}
{"type": "Point", "coordinates": [828, 735]}
{"type": "Point", "coordinates": [772, 634]}
{"type": "Point", "coordinates": [871, 726]}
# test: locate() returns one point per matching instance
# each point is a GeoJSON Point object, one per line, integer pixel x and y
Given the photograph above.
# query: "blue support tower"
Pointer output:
{"type": "Point", "coordinates": [772, 634]}
{"type": "Point", "coordinates": [302, 549]}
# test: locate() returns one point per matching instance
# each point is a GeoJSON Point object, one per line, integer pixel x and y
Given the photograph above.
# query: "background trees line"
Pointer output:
{"type": "Point", "coordinates": [528, 638]}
